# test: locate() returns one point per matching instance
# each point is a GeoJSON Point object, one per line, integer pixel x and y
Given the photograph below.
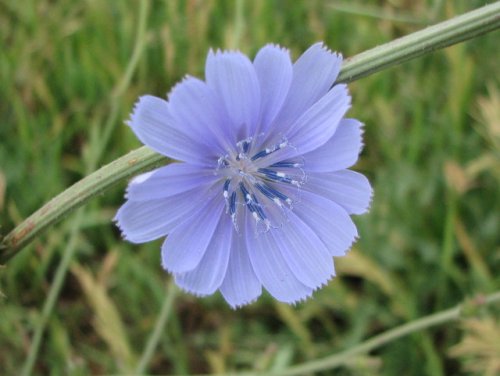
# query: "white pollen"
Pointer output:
{"type": "Point", "coordinates": [255, 215]}
{"type": "Point", "coordinates": [267, 222]}
{"type": "Point", "coordinates": [281, 174]}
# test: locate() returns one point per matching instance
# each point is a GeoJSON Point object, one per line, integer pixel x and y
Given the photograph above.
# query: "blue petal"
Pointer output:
{"type": "Point", "coordinates": [271, 267]}
{"type": "Point", "coordinates": [188, 241]}
{"type": "Point", "coordinates": [316, 126]}
{"type": "Point", "coordinates": [274, 71]}
{"type": "Point", "coordinates": [304, 252]}
{"type": "Point", "coordinates": [349, 189]}
{"type": "Point", "coordinates": [153, 124]}
{"type": "Point", "coordinates": [169, 180]}
{"type": "Point", "coordinates": [329, 221]}
{"type": "Point", "coordinates": [240, 285]}
{"type": "Point", "coordinates": [207, 277]}
{"type": "Point", "coordinates": [341, 151]}
{"type": "Point", "coordinates": [143, 221]}
{"type": "Point", "coordinates": [195, 106]}
{"type": "Point", "coordinates": [313, 75]}
{"type": "Point", "coordinates": [233, 77]}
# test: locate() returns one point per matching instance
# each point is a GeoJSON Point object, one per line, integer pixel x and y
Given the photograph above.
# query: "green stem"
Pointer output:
{"type": "Point", "coordinates": [158, 329]}
{"type": "Point", "coordinates": [76, 196]}
{"type": "Point", "coordinates": [239, 24]}
{"type": "Point", "coordinates": [374, 12]}
{"type": "Point", "coordinates": [346, 356]}
{"type": "Point", "coordinates": [444, 34]}
{"type": "Point", "coordinates": [55, 289]}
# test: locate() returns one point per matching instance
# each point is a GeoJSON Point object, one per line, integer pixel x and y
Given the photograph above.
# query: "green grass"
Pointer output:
{"type": "Point", "coordinates": [432, 154]}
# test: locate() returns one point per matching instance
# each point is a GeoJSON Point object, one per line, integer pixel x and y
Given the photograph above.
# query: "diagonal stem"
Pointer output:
{"type": "Point", "coordinates": [344, 357]}
{"type": "Point", "coordinates": [444, 34]}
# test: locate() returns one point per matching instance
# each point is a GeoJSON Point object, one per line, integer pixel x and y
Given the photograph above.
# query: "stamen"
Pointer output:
{"type": "Point", "coordinates": [226, 188]}
{"type": "Point", "coordinates": [222, 162]}
{"type": "Point", "coordinates": [273, 194]}
{"type": "Point", "coordinates": [244, 145]}
{"type": "Point", "coordinates": [246, 194]}
{"type": "Point", "coordinates": [252, 204]}
{"type": "Point", "coordinates": [278, 176]}
{"type": "Point", "coordinates": [258, 208]}
{"type": "Point", "coordinates": [286, 164]}
{"type": "Point", "coordinates": [242, 179]}
{"type": "Point", "coordinates": [272, 149]}
{"type": "Point", "coordinates": [232, 204]}
{"type": "Point", "coordinates": [260, 154]}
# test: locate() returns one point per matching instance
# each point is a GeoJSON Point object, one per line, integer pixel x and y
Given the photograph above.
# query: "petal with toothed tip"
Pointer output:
{"type": "Point", "coordinates": [275, 72]}
{"type": "Point", "coordinates": [195, 106]}
{"type": "Point", "coordinates": [314, 73]}
{"type": "Point", "coordinates": [232, 76]}
{"type": "Point", "coordinates": [305, 253]}
{"type": "Point", "coordinates": [329, 220]}
{"type": "Point", "coordinates": [271, 267]}
{"type": "Point", "coordinates": [207, 277]}
{"type": "Point", "coordinates": [240, 286]}
{"type": "Point", "coordinates": [154, 125]}
{"type": "Point", "coordinates": [349, 189]}
{"type": "Point", "coordinates": [316, 126]}
{"type": "Point", "coordinates": [340, 151]}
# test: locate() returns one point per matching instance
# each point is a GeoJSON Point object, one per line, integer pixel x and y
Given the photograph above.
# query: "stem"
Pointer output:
{"type": "Point", "coordinates": [75, 196]}
{"type": "Point", "coordinates": [158, 329]}
{"type": "Point", "coordinates": [414, 326]}
{"type": "Point", "coordinates": [239, 24]}
{"type": "Point", "coordinates": [55, 289]}
{"type": "Point", "coordinates": [444, 34]}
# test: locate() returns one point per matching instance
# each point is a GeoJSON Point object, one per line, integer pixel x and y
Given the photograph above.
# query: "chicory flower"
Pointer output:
{"type": "Point", "coordinates": [261, 195]}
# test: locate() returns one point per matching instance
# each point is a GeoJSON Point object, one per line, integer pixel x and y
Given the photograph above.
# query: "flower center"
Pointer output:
{"type": "Point", "coordinates": [254, 181]}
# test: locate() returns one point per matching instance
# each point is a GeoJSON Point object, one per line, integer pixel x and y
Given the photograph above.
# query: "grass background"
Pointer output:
{"type": "Point", "coordinates": [432, 153]}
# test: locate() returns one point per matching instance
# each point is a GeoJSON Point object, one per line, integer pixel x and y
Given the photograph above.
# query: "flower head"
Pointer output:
{"type": "Point", "coordinates": [261, 195]}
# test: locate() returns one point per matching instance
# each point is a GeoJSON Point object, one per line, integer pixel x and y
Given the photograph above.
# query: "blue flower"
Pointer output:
{"type": "Point", "coordinates": [261, 195]}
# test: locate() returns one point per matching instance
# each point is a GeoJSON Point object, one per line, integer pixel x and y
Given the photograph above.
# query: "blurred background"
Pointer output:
{"type": "Point", "coordinates": [432, 153]}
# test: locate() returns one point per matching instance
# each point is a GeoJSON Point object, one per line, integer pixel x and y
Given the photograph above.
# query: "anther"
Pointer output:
{"type": "Point", "coordinates": [246, 194]}
{"type": "Point", "coordinates": [278, 176]}
{"type": "Point", "coordinates": [285, 164]}
{"type": "Point", "coordinates": [226, 188]}
{"type": "Point", "coordinates": [273, 194]}
{"type": "Point", "coordinates": [272, 149]}
{"type": "Point", "coordinates": [243, 146]}
{"type": "Point", "coordinates": [222, 162]}
{"type": "Point", "coordinates": [232, 204]}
